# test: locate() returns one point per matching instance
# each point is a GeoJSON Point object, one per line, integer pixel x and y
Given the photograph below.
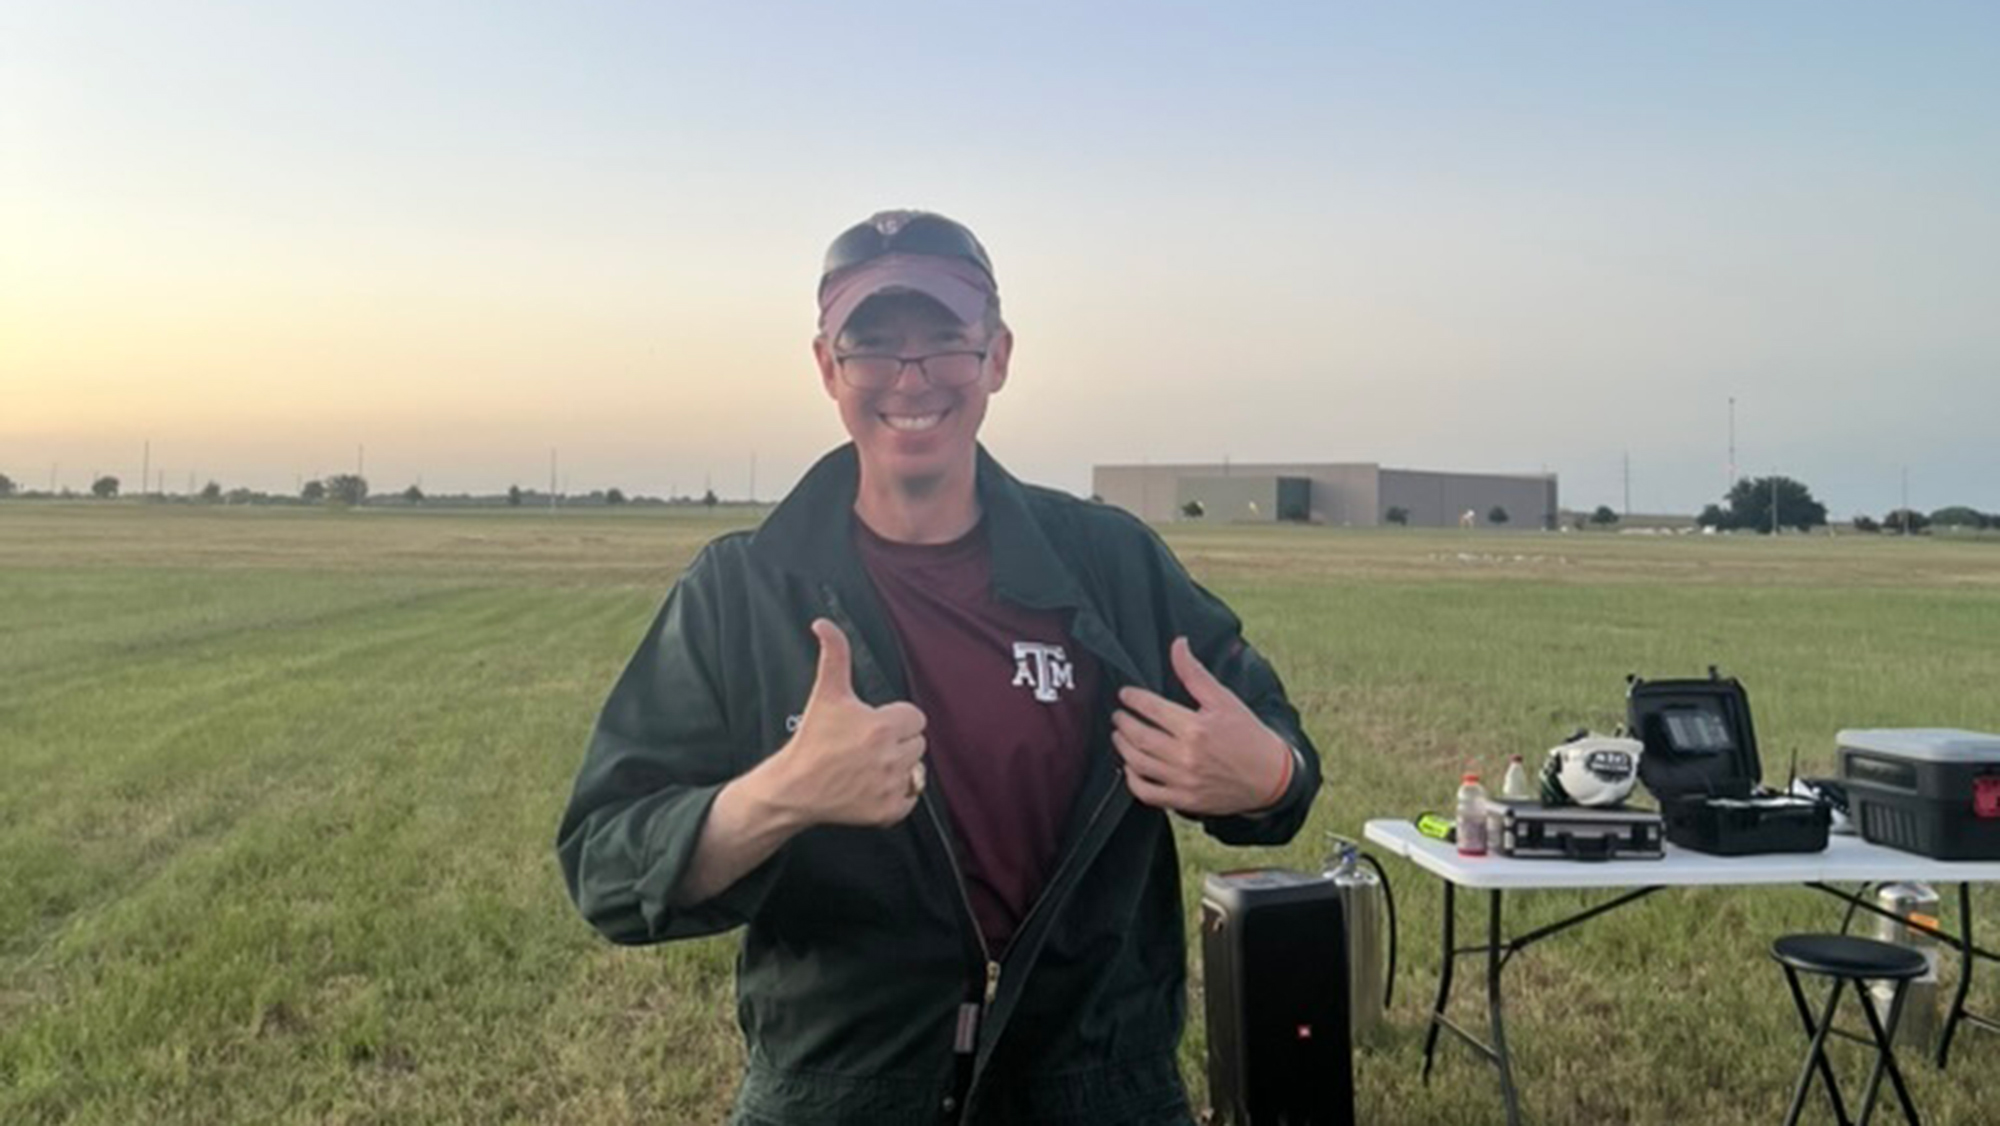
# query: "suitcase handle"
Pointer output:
{"type": "Point", "coordinates": [1601, 847]}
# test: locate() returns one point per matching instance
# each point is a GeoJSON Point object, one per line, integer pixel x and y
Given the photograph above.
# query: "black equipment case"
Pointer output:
{"type": "Point", "coordinates": [1530, 830]}
{"type": "Point", "coordinates": [1931, 791]}
{"type": "Point", "coordinates": [1274, 962]}
{"type": "Point", "coordinates": [1701, 763]}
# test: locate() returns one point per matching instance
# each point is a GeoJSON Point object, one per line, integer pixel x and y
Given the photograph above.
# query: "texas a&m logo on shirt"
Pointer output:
{"type": "Point", "coordinates": [1044, 668]}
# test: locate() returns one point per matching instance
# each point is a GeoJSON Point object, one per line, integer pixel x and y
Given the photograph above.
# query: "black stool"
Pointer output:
{"type": "Point", "coordinates": [1848, 961]}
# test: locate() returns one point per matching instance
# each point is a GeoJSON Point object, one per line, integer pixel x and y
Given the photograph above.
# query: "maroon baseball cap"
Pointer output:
{"type": "Point", "coordinates": [908, 251]}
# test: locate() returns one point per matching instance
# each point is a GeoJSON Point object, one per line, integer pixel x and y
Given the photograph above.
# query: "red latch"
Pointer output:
{"type": "Point", "coordinates": [1986, 797]}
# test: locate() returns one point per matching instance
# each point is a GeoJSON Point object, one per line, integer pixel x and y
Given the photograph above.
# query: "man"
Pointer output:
{"type": "Point", "coordinates": [918, 734]}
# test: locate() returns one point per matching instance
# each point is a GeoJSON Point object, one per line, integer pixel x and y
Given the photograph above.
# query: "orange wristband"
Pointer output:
{"type": "Point", "coordinates": [1284, 781]}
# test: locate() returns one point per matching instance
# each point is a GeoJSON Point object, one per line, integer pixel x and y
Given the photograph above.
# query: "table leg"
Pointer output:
{"type": "Point", "coordinates": [1495, 961]}
{"type": "Point", "coordinates": [1965, 961]}
{"type": "Point", "coordinates": [1445, 965]}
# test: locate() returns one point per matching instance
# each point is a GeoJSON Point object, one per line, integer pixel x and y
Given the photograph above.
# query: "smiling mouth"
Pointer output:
{"type": "Point", "coordinates": [910, 423]}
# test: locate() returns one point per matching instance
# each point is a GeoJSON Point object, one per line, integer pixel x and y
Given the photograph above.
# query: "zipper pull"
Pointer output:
{"type": "Point", "coordinates": [967, 1038]}
{"type": "Point", "coordinates": [992, 981]}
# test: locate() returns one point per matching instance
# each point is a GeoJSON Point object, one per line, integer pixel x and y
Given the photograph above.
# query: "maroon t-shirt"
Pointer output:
{"type": "Point", "coordinates": [1009, 699]}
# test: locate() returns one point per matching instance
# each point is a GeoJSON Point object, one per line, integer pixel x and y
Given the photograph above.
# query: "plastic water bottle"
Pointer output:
{"type": "Point", "coordinates": [1514, 787]}
{"type": "Point", "coordinates": [1471, 815]}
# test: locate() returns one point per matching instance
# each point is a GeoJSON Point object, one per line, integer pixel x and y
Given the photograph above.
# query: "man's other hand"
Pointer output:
{"type": "Point", "coordinates": [1216, 758]}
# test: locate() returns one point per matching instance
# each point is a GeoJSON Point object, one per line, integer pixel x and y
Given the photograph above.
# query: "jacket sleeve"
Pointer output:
{"type": "Point", "coordinates": [659, 754]}
{"type": "Point", "coordinates": [1216, 635]}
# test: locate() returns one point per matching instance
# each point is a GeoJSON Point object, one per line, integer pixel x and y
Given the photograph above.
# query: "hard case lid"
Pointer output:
{"type": "Point", "coordinates": [1924, 744]}
{"type": "Point", "coordinates": [1699, 739]}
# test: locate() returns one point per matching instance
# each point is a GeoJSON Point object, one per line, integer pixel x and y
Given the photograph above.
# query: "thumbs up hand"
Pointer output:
{"type": "Point", "coordinates": [851, 763]}
{"type": "Point", "coordinates": [1215, 758]}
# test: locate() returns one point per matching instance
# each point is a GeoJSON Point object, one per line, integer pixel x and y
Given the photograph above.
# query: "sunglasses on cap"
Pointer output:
{"type": "Point", "coordinates": [903, 232]}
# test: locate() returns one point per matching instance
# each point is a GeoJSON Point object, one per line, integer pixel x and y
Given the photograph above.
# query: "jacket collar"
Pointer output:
{"type": "Point", "coordinates": [811, 531]}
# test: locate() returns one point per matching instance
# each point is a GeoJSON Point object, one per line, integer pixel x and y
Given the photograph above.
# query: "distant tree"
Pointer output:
{"type": "Point", "coordinates": [1604, 517]}
{"type": "Point", "coordinates": [1905, 522]}
{"type": "Point", "coordinates": [7, 486]}
{"type": "Point", "coordinates": [105, 487]}
{"type": "Point", "coordinates": [1397, 515]}
{"type": "Point", "coordinates": [514, 496]}
{"type": "Point", "coordinates": [1496, 515]}
{"type": "Point", "coordinates": [413, 495]}
{"type": "Point", "coordinates": [614, 495]}
{"type": "Point", "coordinates": [1958, 516]}
{"type": "Point", "coordinates": [346, 488]}
{"type": "Point", "coordinates": [211, 493]}
{"type": "Point", "coordinates": [241, 495]}
{"type": "Point", "coordinates": [1866, 524]}
{"type": "Point", "coordinates": [1713, 517]}
{"type": "Point", "coordinates": [1193, 510]}
{"type": "Point", "coordinates": [1750, 505]}
{"type": "Point", "coordinates": [708, 499]}
{"type": "Point", "coordinates": [313, 492]}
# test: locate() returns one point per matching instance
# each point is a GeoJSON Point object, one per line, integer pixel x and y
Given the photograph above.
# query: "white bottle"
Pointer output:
{"type": "Point", "coordinates": [1514, 787]}
{"type": "Point", "coordinates": [1471, 815]}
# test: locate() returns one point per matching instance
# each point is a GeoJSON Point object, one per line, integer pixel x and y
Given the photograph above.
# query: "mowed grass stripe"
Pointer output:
{"type": "Point", "coordinates": [369, 835]}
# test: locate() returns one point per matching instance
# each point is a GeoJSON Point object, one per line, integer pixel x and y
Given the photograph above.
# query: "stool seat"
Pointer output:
{"type": "Point", "coordinates": [1842, 955]}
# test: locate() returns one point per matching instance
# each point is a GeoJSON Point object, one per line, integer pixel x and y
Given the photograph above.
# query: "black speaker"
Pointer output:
{"type": "Point", "coordinates": [1274, 962]}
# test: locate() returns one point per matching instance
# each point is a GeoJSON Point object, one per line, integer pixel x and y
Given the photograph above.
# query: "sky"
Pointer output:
{"type": "Point", "coordinates": [450, 242]}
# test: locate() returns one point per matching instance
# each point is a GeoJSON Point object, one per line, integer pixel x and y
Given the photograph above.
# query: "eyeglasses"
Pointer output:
{"type": "Point", "coordinates": [904, 232]}
{"type": "Point", "coordinates": [872, 372]}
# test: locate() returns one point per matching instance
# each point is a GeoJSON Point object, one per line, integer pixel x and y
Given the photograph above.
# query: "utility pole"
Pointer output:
{"type": "Point", "coordinates": [146, 468]}
{"type": "Point", "coordinates": [360, 460]}
{"type": "Point", "coordinates": [1731, 483]}
{"type": "Point", "coordinates": [552, 479]}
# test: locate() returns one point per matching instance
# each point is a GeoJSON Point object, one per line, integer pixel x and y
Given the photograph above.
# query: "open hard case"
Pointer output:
{"type": "Point", "coordinates": [1701, 763]}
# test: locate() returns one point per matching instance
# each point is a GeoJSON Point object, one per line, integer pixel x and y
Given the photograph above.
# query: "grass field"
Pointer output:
{"type": "Point", "coordinates": [280, 787]}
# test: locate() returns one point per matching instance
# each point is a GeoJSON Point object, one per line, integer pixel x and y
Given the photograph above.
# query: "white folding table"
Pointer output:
{"type": "Point", "coordinates": [1846, 858]}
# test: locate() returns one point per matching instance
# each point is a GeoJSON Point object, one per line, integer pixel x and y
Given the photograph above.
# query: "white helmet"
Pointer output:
{"type": "Point", "coordinates": [1595, 770]}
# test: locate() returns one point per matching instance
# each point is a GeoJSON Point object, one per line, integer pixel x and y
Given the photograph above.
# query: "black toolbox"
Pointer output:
{"type": "Point", "coordinates": [1929, 790]}
{"type": "Point", "coordinates": [1701, 764]}
{"type": "Point", "coordinates": [1531, 830]}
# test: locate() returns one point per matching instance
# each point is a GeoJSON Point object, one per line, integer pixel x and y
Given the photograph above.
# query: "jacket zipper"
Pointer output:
{"type": "Point", "coordinates": [970, 1015]}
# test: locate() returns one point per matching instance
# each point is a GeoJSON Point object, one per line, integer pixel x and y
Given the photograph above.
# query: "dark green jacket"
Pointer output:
{"type": "Point", "coordinates": [860, 958]}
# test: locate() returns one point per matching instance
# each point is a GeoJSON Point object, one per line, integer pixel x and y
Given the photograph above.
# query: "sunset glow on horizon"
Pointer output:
{"type": "Point", "coordinates": [247, 244]}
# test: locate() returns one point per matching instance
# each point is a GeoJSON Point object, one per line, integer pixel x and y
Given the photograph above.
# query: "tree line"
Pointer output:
{"type": "Point", "coordinates": [351, 490]}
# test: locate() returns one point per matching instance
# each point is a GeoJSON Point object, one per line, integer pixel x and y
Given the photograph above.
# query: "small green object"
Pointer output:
{"type": "Point", "coordinates": [1436, 827]}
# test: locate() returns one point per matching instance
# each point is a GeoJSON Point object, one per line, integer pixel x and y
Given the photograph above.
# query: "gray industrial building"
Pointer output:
{"type": "Point", "coordinates": [1357, 495]}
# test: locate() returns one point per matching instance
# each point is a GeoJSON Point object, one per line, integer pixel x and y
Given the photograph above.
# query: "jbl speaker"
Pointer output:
{"type": "Point", "coordinates": [1274, 960]}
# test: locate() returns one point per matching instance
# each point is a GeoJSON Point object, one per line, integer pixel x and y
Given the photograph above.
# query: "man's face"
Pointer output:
{"type": "Point", "coordinates": [912, 432]}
